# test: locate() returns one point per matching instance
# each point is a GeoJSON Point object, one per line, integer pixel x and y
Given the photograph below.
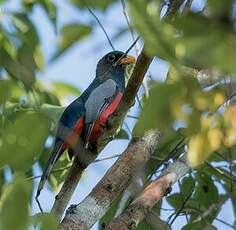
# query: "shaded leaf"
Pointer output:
{"type": "Point", "coordinates": [175, 200]}
{"type": "Point", "coordinates": [159, 113]}
{"type": "Point", "coordinates": [199, 226]}
{"type": "Point", "coordinates": [24, 138]}
{"type": "Point", "coordinates": [122, 134]}
{"type": "Point", "coordinates": [52, 111]}
{"type": "Point", "coordinates": [50, 9]}
{"type": "Point", "coordinates": [15, 69]}
{"type": "Point", "coordinates": [187, 186]}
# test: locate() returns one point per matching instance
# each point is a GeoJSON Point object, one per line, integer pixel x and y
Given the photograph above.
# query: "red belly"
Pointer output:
{"type": "Point", "coordinates": [102, 119]}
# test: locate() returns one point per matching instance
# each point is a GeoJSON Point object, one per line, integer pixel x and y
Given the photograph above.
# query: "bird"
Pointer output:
{"type": "Point", "coordinates": [87, 115]}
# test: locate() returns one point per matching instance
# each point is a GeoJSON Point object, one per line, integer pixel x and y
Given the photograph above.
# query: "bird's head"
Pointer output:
{"type": "Point", "coordinates": [113, 63]}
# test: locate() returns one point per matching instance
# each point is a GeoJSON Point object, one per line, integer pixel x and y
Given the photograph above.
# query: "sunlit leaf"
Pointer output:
{"type": "Point", "coordinates": [70, 34]}
{"type": "Point", "coordinates": [101, 4]}
{"type": "Point", "coordinates": [45, 221]}
{"type": "Point", "coordinates": [186, 38]}
{"type": "Point", "coordinates": [65, 89]}
{"type": "Point", "coordinates": [14, 204]}
{"type": "Point", "coordinates": [39, 58]}
{"type": "Point", "coordinates": [28, 33]}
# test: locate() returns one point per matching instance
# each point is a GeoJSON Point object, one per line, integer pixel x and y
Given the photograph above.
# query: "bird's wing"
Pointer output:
{"type": "Point", "coordinates": [71, 120]}
{"type": "Point", "coordinates": [98, 101]}
{"type": "Point", "coordinates": [69, 127]}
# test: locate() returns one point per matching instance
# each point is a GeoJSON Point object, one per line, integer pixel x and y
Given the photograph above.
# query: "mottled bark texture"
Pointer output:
{"type": "Point", "coordinates": [115, 181]}
{"type": "Point", "coordinates": [150, 196]}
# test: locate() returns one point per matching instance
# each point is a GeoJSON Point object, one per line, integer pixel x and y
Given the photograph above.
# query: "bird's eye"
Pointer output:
{"type": "Point", "coordinates": [111, 57]}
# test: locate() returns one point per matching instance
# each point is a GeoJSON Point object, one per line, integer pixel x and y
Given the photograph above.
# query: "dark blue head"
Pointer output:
{"type": "Point", "coordinates": [113, 64]}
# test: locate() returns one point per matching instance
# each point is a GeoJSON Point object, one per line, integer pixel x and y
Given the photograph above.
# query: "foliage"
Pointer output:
{"type": "Point", "coordinates": [193, 118]}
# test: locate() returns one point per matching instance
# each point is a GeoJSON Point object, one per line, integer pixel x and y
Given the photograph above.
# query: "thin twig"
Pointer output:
{"type": "Point", "coordinates": [182, 197]}
{"type": "Point", "coordinates": [102, 27]}
{"type": "Point", "coordinates": [68, 166]}
{"type": "Point", "coordinates": [144, 84]}
{"type": "Point", "coordinates": [182, 207]}
{"type": "Point", "coordinates": [187, 7]}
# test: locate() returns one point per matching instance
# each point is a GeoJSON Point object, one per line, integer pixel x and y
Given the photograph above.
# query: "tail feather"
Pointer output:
{"type": "Point", "coordinates": [53, 158]}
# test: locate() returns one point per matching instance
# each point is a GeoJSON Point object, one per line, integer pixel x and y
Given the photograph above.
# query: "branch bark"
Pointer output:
{"type": "Point", "coordinates": [151, 195]}
{"type": "Point", "coordinates": [74, 175]}
{"type": "Point", "coordinates": [95, 205]}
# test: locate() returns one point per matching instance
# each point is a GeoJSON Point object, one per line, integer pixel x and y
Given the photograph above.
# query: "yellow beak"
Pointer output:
{"type": "Point", "coordinates": [127, 60]}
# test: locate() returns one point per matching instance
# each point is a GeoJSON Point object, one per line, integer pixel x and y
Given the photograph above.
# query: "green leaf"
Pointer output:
{"type": "Point", "coordinates": [220, 9]}
{"type": "Point", "coordinates": [187, 186]}
{"type": "Point", "coordinates": [185, 39]}
{"type": "Point", "coordinates": [175, 200]}
{"type": "Point", "coordinates": [26, 30]}
{"type": "Point", "coordinates": [14, 204]}
{"type": "Point", "coordinates": [109, 214]}
{"type": "Point", "coordinates": [101, 4]}
{"type": "Point", "coordinates": [206, 191]}
{"type": "Point", "coordinates": [2, 181]}
{"type": "Point", "coordinates": [205, 195]}
{"type": "Point", "coordinates": [154, 222]}
{"type": "Point", "coordinates": [51, 10]}
{"type": "Point", "coordinates": [45, 221]}
{"type": "Point", "coordinates": [48, 98]}
{"type": "Point", "coordinates": [143, 225]}
{"type": "Point", "coordinates": [159, 113]}
{"type": "Point", "coordinates": [233, 200]}
{"type": "Point", "coordinates": [26, 59]}
{"type": "Point", "coordinates": [5, 90]}
{"type": "Point", "coordinates": [52, 111]}
{"type": "Point", "coordinates": [122, 134]}
{"type": "Point", "coordinates": [65, 89]}
{"type": "Point", "coordinates": [16, 69]}
{"type": "Point", "coordinates": [199, 226]}
{"type": "Point", "coordinates": [196, 38]}
{"type": "Point", "coordinates": [25, 138]}
{"type": "Point", "coordinates": [39, 58]}
{"type": "Point", "coordinates": [158, 36]}
{"type": "Point", "coordinates": [70, 34]}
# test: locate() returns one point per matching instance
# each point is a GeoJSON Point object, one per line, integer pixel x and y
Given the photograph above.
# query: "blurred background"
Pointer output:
{"type": "Point", "coordinates": [49, 51]}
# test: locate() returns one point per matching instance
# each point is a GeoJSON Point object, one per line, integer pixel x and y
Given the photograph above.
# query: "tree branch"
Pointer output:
{"type": "Point", "coordinates": [151, 195]}
{"type": "Point", "coordinates": [174, 5]}
{"type": "Point", "coordinates": [71, 181]}
{"type": "Point", "coordinates": [96, 204]}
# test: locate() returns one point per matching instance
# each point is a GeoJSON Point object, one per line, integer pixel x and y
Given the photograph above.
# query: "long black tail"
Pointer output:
{"type": "Point", "coordinates": [51, 161]}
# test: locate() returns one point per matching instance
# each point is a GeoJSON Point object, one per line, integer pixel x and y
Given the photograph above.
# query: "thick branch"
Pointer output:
{"type": "Point", "coordinates": [96, 204]}
{"type": "Point", "coordinates": [64, 196]}
{"type": "Point", "coordinates": [151, 195]}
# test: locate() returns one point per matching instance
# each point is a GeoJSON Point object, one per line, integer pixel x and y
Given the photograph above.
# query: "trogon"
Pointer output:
{"type": "Point", "coordinates": [86, 116]}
